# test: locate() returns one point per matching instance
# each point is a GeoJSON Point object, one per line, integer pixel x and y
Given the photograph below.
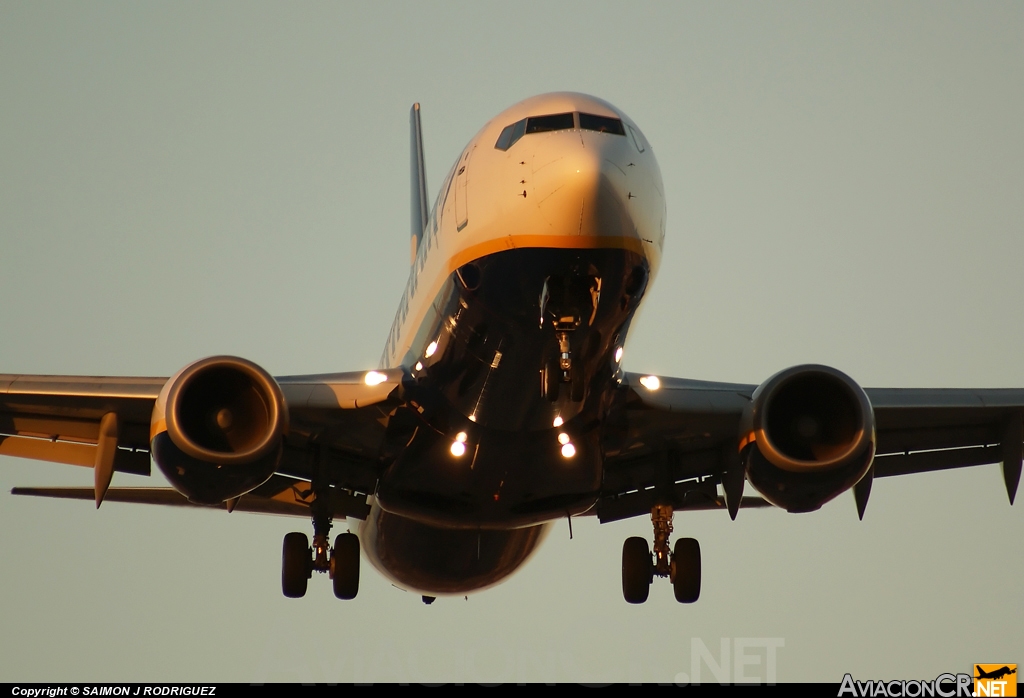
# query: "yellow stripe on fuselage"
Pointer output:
{"type": "Point", "coordinates": [564, 242]}
{"type": "Point", "coordinates": [502, 244]}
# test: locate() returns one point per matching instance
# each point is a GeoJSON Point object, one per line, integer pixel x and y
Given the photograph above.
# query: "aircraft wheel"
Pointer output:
{"type": "Point", "coordinates": [552, 380]}
{"type": "Point", "coordinates": [637, 571]}
{"type": "Point", "coordinates": [345, 566]}
{"type": "Point", "coordinates": [295, 565]}
{"type": "Point", "coordinates": [686, 570]}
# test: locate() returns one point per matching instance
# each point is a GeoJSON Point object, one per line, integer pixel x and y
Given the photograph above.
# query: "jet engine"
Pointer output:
{"type": "Point", "coordinates": [217, 428]}
{"type": "Point", "coordinates": [807, 435]}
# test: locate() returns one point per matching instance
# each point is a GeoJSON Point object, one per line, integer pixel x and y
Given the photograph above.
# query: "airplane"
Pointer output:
{"type": "Point", "coordinates": [996, 674]}
{"type": "Point", "coordinates": [500, 405]}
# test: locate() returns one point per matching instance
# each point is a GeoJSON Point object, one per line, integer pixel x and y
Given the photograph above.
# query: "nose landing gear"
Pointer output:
{"type": "Point", "coordinates": [681, 566]}
{"type": "Point", "coordinates": [562, 368]}
{"type": "Point", "coordinates": [568, 302]}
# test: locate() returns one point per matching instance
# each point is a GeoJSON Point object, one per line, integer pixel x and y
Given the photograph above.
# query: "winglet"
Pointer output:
{"type": "Point", "coordinates": [1013, 454]}
{"type": "Point", "coordinates": [419, 181]}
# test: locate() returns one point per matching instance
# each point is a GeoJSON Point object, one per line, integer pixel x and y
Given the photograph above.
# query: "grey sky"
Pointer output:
{"type": "Point", "coordinates": [845, 185]}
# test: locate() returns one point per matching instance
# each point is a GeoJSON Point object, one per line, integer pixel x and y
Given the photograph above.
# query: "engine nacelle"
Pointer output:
{"type": "Point", "coordinates": [807, 436]}
{"type": "Point", "coordinates": [217, 428]}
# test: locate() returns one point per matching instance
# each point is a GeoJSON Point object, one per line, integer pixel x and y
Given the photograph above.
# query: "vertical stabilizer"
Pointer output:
{"type": "Point", "coordinates": [419, 181]}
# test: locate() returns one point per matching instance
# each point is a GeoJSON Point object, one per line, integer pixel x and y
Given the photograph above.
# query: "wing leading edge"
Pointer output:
{"type": "Point", "coordinates": [679, 440]}
{"type": "Point", "coordinates": [336, 432]}
{"type": "Point", "coordinates": [673, 443]}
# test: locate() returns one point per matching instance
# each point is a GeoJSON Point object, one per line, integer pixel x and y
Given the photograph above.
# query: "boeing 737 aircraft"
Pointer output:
{"type": "Point", "coordinates": [499, 405]}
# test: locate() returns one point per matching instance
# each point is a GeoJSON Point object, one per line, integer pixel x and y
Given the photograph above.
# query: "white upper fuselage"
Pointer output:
{"type": "Point", "coordinates": [549, 189]}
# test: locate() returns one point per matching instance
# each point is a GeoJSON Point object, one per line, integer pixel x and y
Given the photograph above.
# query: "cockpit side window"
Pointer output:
{"type": "Point", "coordinates": [604, 124]}
{"type": "Point", "coordinates": [510, 134]}
{"type": "Point", "coordinates": [505, 139]}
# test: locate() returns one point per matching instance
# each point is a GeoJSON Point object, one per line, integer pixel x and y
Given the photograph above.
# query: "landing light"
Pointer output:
{"type": "Point", "coordinates": [557, 422]}
{"type": "Point", "coordinates": [461, 437]}
{"type": "Point", "coordinates": [618, 355]}
{"type": "Point", "coordinates": [568, 451]}
{"type": "Point", "coordinates": [431, 348]}
{"type": "Point", "coordinates": [650, 382]}
{"type": "Point", "coordinates": [563, 438]}
{"type": "Point", "coordinates": [458, 449]}
{"type": "Point", "coordinates": [375, 378]}
{"type": "Point", "coordinates": [419, 365]}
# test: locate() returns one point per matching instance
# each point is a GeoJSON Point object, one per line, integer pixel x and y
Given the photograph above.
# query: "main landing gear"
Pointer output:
{"type": "Point", "coordinates": [299, 561]}
{"type": "Point", "coordinates": [682, 566]}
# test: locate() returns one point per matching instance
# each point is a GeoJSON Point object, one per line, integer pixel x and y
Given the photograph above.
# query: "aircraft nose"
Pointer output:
{"type": "Point", "coordinates": [583, 191]}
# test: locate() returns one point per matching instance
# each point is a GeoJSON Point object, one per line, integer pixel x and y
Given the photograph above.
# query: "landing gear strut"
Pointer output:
{"type": "Point", "coordinates": [568, 302]}
{"type": "Point", "coordinates": [681, 565]}
{"type": "Point", "coordinates": [561, 368]}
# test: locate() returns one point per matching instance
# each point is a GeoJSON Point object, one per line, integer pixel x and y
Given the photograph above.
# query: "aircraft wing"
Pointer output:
{"type": "Point", "coordinates": [57, 418]}
{"type": "Point", "coordinates": [337, 425]}
{"type": "Point", "coordinates": [678, 440]}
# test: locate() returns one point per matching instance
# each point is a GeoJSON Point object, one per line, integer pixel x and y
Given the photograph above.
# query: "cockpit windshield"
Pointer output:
{"type": "Point", "coordinates": [558, 122]}
{"type": "Point", "coordinates": [604, 124]}
{"type": "Point", "coordinates": [552, 122]}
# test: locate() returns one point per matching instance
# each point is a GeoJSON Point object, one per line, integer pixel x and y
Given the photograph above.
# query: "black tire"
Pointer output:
{"type": "Point", "coordinates": [296, 560]}
{"type": "Point", "coordinates": [576, 385]}
{"type": "Point", "coordinates": [552, 380]}
{"type": "Point", "coordinates": [686, 570]}
{"type": "Point", "coordinates": [637, 571]}
{"type": "Point", "coordinates": [345, 566]}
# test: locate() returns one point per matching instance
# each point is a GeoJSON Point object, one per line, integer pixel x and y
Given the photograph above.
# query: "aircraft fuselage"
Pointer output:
{"type": "Point", "coordinates": [543, 239]}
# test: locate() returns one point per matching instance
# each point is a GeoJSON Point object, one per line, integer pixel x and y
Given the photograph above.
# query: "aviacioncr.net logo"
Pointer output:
{"type": "Point", "coordinates": [943, 686]}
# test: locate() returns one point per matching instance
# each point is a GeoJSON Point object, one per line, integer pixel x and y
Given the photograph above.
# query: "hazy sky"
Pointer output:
{"type": "Point", "coordinates": [845, 185]}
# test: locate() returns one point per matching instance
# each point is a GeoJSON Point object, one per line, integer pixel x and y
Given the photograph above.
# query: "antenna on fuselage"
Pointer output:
{"type": "Point", "coordinates": [419, 181]}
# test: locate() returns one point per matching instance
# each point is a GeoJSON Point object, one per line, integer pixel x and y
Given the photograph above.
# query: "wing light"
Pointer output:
{"type": "Point", "coordinates": [568, 450]}
{"type": "Point", "coordinates": [431, 348]}
{"type": "Point", "coordinates": [375, 378]}
{"type": "Point", "coordinates": [618, 354]}
{"type": "Point", "coordinates": [557, 422]}
{"type": "Point", "coordinates": [650, 382]}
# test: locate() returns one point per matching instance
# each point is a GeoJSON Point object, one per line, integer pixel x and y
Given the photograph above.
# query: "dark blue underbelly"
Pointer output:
{"type": "Point", "coordinates": [437, 561]}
